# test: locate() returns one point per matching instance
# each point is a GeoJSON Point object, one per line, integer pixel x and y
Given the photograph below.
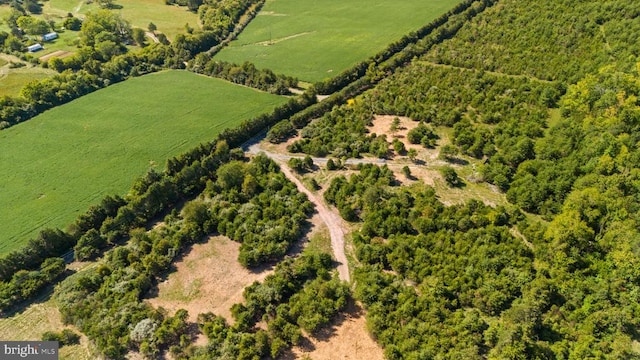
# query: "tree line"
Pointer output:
{"type": "Point", "coordinates": [246, 74]}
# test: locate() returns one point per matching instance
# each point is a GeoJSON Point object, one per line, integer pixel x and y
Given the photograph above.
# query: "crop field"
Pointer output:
{"type": "Point", "coordinates": [57, 164]}
{"type": "Point", "coordinates": [314, 40]}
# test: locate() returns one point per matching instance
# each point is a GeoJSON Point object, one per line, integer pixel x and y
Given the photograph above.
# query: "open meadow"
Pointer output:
{"type": "Point", "coordinates": [169, 19]}
{"type": "Point", "coordinates": [12, 80]}
{"type": "Point", "coordinates": [58, 164]}
{"type": "Point", "coordinates": [314, 40]}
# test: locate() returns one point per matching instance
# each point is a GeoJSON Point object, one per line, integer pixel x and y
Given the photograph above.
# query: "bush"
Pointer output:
{"type": "Point", "coordinates": [65, 337]}
{"type": "Point", "coordinates": [72, 23]}
{"type": "Point", "coordinates": [451, 176]}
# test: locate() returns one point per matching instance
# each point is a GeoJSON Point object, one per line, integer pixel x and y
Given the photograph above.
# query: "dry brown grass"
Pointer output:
{"type": "Point", "coordinates": [30, 323]}
{"type": "Point", "coordinates": [346, 338]}
{"type": "Point", "coordinates": [208, 278]}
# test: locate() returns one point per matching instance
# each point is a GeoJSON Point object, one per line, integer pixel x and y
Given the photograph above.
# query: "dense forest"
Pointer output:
{"type": "Point", "coordinates": [562, 40]}
{"type": "Point", "coordinates": [555, 122]}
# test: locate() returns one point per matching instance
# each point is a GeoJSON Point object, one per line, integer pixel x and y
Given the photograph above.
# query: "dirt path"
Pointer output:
{"type": "Point", "coordinates": [152, 36]}
{"type": "Point", "coordinates": [330, 218]}
{"type": "Point", "coordinates": [333, 220]}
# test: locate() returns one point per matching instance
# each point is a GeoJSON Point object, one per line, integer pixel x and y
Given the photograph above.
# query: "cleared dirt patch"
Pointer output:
{"type": "Point", "coordinates": [347, 338]}
{"type": "Point", "coordinates": [382, 125]}
{"type": "Point", "coordinates": [208, 278]}
{"type": "Point", "coordinates": [59, 54]}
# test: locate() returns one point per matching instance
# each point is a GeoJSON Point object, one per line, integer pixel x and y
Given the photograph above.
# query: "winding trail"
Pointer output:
{"type": "Point", "coordinates": [333, 220]}
{"type": "Point", "coordinates": [330, 218]}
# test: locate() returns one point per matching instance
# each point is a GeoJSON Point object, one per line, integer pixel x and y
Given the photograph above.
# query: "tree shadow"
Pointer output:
{"type": "Point", "coordinates": [351, 311]}
{"type": "Point", "coordinates": [456, 161]}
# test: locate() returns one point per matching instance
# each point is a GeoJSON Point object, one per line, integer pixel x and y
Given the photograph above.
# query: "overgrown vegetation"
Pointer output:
{"type": "Point", "coordinates": [300, 295]}
{"type": "Point", "coordinates": [465, 281]}
{"type": "Point", "coordinates": [255, 205]}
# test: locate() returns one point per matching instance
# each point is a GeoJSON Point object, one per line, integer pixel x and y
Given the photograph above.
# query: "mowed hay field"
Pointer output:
{"type": "Point", "coordinates": [314, 40]}
{"type": "Point", "coordinates": [56, 165]}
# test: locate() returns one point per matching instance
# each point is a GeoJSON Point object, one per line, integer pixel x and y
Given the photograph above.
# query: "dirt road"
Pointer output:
{"type": "Point", "coordinates": [332, 219]}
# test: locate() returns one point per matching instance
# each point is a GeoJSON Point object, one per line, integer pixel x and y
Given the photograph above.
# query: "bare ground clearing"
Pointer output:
{"type": "Point", "coordinates": [346, 338]}
{"type": "Point", "coordinates": [208, 278]}
{"type": "Point", "coordinates": [382, 125]}
{"type": "Point", "coordinates": [59, 54]}
{"type": "Point", "coordinates": [41, 316]}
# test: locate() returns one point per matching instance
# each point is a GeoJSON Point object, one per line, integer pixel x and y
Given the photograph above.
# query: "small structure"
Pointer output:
{"type": "Point", "coordinates": [34, 48]}
{"type": "Point", "coordinates": [50, 36]}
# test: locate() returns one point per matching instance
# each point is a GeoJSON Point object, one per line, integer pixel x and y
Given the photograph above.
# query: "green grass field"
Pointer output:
{"type": "Point", "coordinates": [169, 19]}
{"type": "Point", "coordinates": [314, 40]}
{"type": "Point", "coordinates": [59, 163]}
{"type": "Point", "coordinates": [12, 80]}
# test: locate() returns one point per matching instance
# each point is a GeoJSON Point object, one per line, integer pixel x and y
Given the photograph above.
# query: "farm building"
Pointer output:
{"type": "Point", "coordinates": [35, 47]}
{"type": "Point", "coordinates": [50, 36]}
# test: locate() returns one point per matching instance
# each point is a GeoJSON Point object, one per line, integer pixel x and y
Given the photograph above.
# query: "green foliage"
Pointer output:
{"type": "Point", "coordinates": [301, 165]}
{"type": "Point", "coordinates": [280, 132]}
{"type": "Point", "coordinates": [33, 26]}
{"type": "Point", "coordinates": [105, 26]}
{"type": "Point", "coordinates": [138, 35]}
{"type": "Point", "coordinates": [341, 132]}
{"type": "Point", "coordinates": [594, 139]}
{"type": "Point", "coordinates": [25, 284]}
{"type": "Point", "coordinates": [89, 245]}
{"type": "Point", "coordinates": [422, 134]}
{"type": "Point", "coordinates": [299, 294]}
{"type": "Point", "coordinates": [72, 23]}
{"type": "Point", "coordinates": [450, 176]}
{"type": "Point", "coordinates": [359, 193]}
{"type": "Point", "coordinates": [543, 40]}
{"type": "Point", "coordinates": [254, 204]}
{"type": "Point", "coordinates": [245, 74]}
{"type": "Point", "coordinates": [425, 295]}
{"type": "Point", "coordinates": [65, 337]}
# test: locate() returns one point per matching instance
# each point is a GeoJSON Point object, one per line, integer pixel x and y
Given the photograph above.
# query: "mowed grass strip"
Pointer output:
{"type": "Point", "coordinates": [56, 165]}
{"type": "Point", "coordinates": [314, 40]}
